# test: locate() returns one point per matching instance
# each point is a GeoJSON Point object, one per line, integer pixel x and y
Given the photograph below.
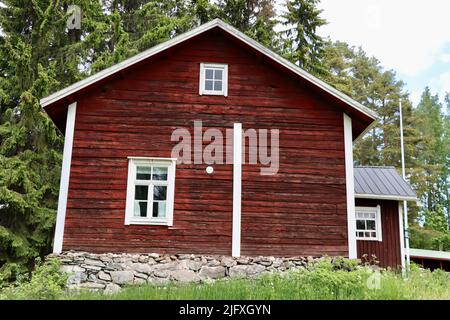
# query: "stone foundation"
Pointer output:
{"type": "Point", "coordinates": [109, 272]}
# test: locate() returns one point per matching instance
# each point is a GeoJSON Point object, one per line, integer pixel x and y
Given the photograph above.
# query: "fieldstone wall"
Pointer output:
{"type": "Point", "coordinates": [109, 272]}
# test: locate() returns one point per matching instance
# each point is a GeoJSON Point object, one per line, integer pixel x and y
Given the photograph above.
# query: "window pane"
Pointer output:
{"type": "Point", "coordinates": [140, 208]}
{"type": "Point", "coordinates": [159, 209]}
{"type": "Point", "coordinates": [218, 85]}
{"type": "Point", "coordinates": [361, 234]}
{"type": "Point", "coordinates": [372, 215]}
{"type": "Point", "coordinates": [208, 85]}
{"type": "Point", "coordinates": [143, 173]}
{"type": "Point", "coordinates": [209, 73]}
{"type": "Point", "coordinates": [374, 234]}
{"type": "Point", "coordinates": [360, 225]}
{"type": "Point", "coordinates": [367, 234]}
{"type": "Point", "coordinates": [371, 225]}
{"type": "Point", "coordinates": [218, 74]}
{"type": "Point", "coordinates": [159, 173]}
{"type": "Point", "coordinates": [141, 193]}
{"type": "Point", "coordinates": [159, 192]}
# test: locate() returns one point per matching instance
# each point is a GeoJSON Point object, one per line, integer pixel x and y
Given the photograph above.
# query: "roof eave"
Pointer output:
{"type": "Point", "coordinates": [429, 254]}
{"type": "Point", "coordinates": [126, 63]}
{"type": "Point", "coordinates": [370, 127]}
{"type": "Point", "coordinates": [385, 197]}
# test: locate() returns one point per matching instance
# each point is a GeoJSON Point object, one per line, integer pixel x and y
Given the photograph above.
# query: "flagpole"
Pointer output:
{"type": "Point", "coordinates": [405, 206]}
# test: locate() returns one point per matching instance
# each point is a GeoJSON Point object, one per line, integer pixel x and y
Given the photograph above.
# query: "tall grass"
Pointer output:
{"type": "Point", "coordinates": [324, 280]}
{"type": "Point", "coordinates": [319, 282]}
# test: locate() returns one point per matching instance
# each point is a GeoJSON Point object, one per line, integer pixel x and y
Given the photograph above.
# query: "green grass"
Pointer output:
{"type": "Point", "coordinates": [325, 280]}
{"type": "Point", "coordinates": [320, 283]}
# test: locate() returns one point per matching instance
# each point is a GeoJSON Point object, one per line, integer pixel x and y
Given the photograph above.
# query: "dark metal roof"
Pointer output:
{"type": "Point", "coordinates": [382, 183]}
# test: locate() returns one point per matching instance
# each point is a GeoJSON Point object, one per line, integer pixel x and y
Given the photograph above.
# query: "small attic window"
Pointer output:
{"type": "Point", "coordinates": [213, 79]}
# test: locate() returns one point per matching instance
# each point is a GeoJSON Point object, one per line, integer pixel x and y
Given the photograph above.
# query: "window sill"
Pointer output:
{"type": "Point", "coordinates": [213, 93]}
{"type": "Point", "coordinates": [364, 239]}
{"type": "Point", "coordinates": [148, 222]}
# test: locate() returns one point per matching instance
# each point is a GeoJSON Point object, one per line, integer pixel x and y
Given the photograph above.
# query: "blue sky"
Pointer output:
{"type": "Point", "coordinates": [409, 36]}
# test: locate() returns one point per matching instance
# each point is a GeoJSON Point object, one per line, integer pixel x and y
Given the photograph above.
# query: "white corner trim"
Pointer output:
{"type": "Point", "coordinates": [192, 33]}
{"type": "Point", "coordinates": [237, 189]}
{"type": "Point", "coordinates": [65, 175]}
{"type": "Point", "coordinates": [401, 234]}
{"type": "Point", "coordinates": [349, 177]}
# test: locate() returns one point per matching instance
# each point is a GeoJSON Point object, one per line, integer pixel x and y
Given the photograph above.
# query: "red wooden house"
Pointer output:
{"type": "Point", "coordinates": [122, 190]}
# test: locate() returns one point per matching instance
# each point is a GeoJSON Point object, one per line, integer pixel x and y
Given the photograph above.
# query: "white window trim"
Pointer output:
{"type": "Point", "coordinates": [378, 226]}
{"type": "Point", "coordinates": [130, 219]}
{"type": "Point", "coordinates": [201, 86]}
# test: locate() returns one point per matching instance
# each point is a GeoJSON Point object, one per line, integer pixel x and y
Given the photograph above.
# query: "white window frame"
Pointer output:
{"type": "Point", "coordinates": [133, 162]}
{"type": "Point", "coordinates": [202, 90]}
{"type": "Point", "coordinates": [378, 229]}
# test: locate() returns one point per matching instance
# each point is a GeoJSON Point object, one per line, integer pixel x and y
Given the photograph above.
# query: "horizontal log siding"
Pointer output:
{"type": "Point", "coordinates": [388, 250]}
{"type": "Point", "coordinates": [299, 211]}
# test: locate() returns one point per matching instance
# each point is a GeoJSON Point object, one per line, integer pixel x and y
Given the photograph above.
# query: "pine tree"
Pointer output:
{"type": "Point", "coordinates": [446, 171]}
{"type": "Point", "coordinates": [362, 77]}
{"type": "Point", "coordinates": [433, 154]}
{"type": "Point", "coordinates": [336, 60]}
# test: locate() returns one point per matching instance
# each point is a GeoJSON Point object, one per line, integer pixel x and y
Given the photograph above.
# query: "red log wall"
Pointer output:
{"type": "Point", "coordinates": [299, 211]}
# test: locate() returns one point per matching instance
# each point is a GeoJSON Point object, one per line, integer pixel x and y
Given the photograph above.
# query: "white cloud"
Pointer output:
{"type": "Point", "coordinates": [415, 97]}
{"type": "Point", "coordinates": [403, 34]}
{"type": "Point", "coordinates": [441, 83]}
{"type": "Point", "coordinates": [445, 57]}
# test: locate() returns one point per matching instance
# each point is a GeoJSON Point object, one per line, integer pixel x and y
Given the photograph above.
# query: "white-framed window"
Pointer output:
{"type": "Point", "coordinates": [150, 191]}
{"type": "Point", "coordinates": [368, 223]}
{"type": "Point", "coordinates": [213, 79]}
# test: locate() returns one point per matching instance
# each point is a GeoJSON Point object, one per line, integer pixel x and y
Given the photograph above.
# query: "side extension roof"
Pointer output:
{"type": "Point", "coordinates": [381, 183]}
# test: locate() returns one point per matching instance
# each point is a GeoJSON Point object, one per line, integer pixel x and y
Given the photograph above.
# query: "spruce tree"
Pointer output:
{"type": "Point", "coordinates": [29, 160]}
{"type": "Point", "coordinates": [39, 56]}
{"type": "Point", "coordinates": [256, 18]}
{"type": "Point", "coordinates": [302, 44]}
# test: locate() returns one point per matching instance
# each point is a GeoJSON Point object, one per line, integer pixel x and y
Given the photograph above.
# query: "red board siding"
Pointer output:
{"type": "Point", "coordinates": [388, 250]}
{"type": "Point", "coordinates": [299, 211]}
